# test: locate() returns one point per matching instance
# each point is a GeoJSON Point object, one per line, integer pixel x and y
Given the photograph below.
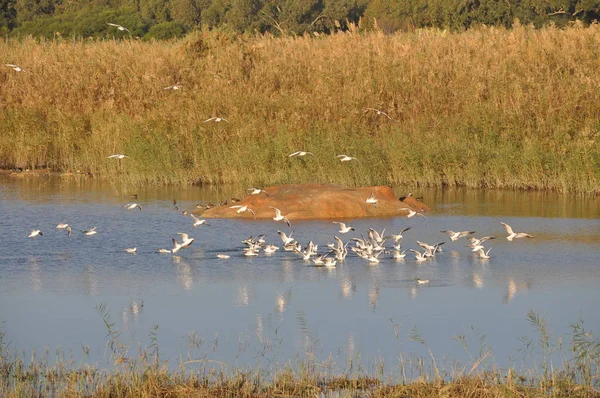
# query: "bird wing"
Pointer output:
{"type": "Point", "coordinates": [523, 235]}
{"type": "Point", "coordinates": [208, 120]}
{"type": "Point", "coordinates": [294, 154]}
{"type": "Point", "coordinates": [184, 236]}
{"type": "Point", "coordinates": [508, 229]}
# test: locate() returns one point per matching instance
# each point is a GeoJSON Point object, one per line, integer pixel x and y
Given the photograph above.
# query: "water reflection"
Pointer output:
{"type": "Point", "coordinates": [184, 273]}
{"type": "Point", "coordinates": [35, 274]}
{"type": "Point", "coordinates": [347, 288]}
{"type": "Point", "coordinates": [242, 299]}
{"type": "Point", "coordinates": [374, 296]}
{"type": "Point", "coordinates": [76, 274]}
{"type": "Point", "coordinates": [90, 281]}
{"type": "Point", "coordinates": [513, 287]}
{"type": "Point", "coordinates": [282, 301]}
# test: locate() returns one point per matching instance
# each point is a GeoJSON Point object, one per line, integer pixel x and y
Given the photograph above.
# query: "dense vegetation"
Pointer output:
{"type": "Point", "coordinates": [173, 18]}
{"type": "Point", "coordinates": [488, 107]}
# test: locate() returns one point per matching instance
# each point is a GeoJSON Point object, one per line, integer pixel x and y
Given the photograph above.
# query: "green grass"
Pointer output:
{"type": "Point", "coordinates": [484, 108]}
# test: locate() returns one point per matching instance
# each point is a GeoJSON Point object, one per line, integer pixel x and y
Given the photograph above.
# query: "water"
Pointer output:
{"type": "Point", "coordinates": [278, 308]}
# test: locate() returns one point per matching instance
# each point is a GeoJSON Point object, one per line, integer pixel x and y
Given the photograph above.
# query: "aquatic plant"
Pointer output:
{"type": "Point", "coordinates": [146, 375]}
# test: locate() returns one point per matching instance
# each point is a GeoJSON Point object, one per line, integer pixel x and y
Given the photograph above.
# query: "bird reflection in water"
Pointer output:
{"type": "Point", "coordinates": [243, 296]}
{"type": "Point", "coordinates": [90, 281]}
{"type": "Point", "coordinates": [348, 288]}
{"type": "Point", "coordinates": [282, 300]}
{"type": "Point", "coordinates": [287, 269]}
{"type": "Point", "coordinates": [513, 287]}
{"type": "Point", "coordinates": [477, 280]}
{"type": "Point", "coordinates": [259, 327]}
{"type": "Point", "coordinates": [374, 295]}
{"type": "Point", "coordinates": [132, 311]}
{"type": "Point", "coordinates": [184, 273]}
{"type": "Point", "coordinates": [351, 346]}
{"type": "Point", "coordinates": [35, 274]}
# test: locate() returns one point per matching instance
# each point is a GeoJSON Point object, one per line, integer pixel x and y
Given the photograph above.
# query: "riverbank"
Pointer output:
{"type": "Point", "coordinates": [484, 108]}
{"type": "Point", "coordinates": [147, 375]}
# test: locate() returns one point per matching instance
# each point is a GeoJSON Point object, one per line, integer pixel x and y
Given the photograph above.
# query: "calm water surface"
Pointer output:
{"type": "Point", "coordinates": [278, 308]}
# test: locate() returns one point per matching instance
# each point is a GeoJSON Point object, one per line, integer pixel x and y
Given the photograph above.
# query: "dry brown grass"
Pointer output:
{"type": "Point", "coordinates": [488, 107]}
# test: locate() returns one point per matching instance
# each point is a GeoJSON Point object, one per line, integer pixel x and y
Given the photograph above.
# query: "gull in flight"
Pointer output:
{"type": "Point", "coordinates": [397, 237]}
{"type": "Point", "coordinates": [484, 255]}
{"type": "Point", "coordinates": [256, 191]}
{"type": "Point", "coordinates": [131, 250]}
{"type": "Point", "coordinates": [118, 156]}
{"type": "Point", "coordinates": [121, 28]}
{"type": "Point", "coordinates": [476, 242]}
{"type": "Point", "coordinates": [454, 236]}
{"type": "Point", "coordinates": [284, 238]}
{"type": "Point", "coordinates": [91, 231]}
{"type": "Point", "coordinates": [270, 249]}
{"type": "Point", "coordinates": [372, 199]}
{"type": "Point", "coordinates": [279, 216]}
{"type": "Point", "coordinates": [397, 254]}
{"type": "Point", "coordinates": [345, 158]}
{"type": "Point", "coordinates": [430, 250]}
{"type": "Point", "coordinates": [16, 68]}
{"type": "Point", "coordinates": [216, 119]}
{"type": "Point", "coordinates": [173, 87]}
{"type": "Point", "coordinates": [343, 227]}
{"type": "Point", "coordinates": [241, 209]}
{"type": "Point", "coordinates": [420, 257]}
{"type": "Point", "coordinates": [378, 112]}
{"type": "Point", "coordinates": [186, 241]}
{"type": "Point", "coordinates": [63, 226]}
{"type": "Point", "coordinates": [299, 154]}
{"type": "Point", "coordinates": [35, 232]}
{"type": "Point", "coordinates": [412, 213]}
{"type": "Point", "coordinates": [198, 222]}
{"type": "Point", "coordinates": [131, 206]}
{"type": "Point", "coordinates": [514, 235]}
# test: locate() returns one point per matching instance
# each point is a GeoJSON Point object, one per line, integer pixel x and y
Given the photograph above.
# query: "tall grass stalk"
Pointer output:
{"type": "Point", "coordinates": [146, 376]}
{"type": "Point", "coordinates": [488, 107]}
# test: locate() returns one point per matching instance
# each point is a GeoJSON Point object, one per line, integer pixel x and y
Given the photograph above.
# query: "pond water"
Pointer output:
{"type": "Point", "coordinates": [278, 308]}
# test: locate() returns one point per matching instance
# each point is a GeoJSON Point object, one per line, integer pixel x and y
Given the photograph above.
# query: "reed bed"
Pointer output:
{"type": "Point", "coordinates": [553, 372]}
{"type": "Point", "coordinates": [488, 107]}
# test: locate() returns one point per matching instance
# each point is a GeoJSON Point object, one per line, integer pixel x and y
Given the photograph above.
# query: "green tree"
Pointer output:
{"type": "Point", "coordinates": [156, 11]}
{"type": "Point", "coordinates": [214, 15]}
{"type": "Point", "coordinates": [165, 30]}
{"type": "Point", "coordinates": [28, 10]}
{"type": "Point", "coordinates": [186, 12]}
{"type": "Point", "coordinates": [337, 13]}
{"type": "Point", "coordinates": [8, 16]}
{"type": "Point", "coordinates": [243, 15]}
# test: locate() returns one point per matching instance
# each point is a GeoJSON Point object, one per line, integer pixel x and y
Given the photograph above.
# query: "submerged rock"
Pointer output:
{"type": "Point", "coordinates": [313, 201]}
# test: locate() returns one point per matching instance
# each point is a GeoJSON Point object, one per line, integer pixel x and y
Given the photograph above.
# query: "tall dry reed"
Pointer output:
{"type": "Point", "coordinates": [488, 107]}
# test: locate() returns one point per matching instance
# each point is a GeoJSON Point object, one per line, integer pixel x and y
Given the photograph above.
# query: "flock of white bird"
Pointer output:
{"type": "Point", "coordinates": [371, 248]}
